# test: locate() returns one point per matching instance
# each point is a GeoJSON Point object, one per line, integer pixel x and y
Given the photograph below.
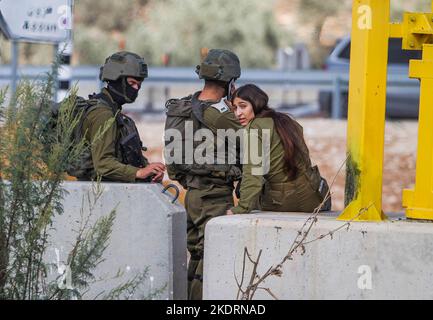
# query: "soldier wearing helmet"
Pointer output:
{"type": "Point", "coordinates": [209, 186]}
{"type": "Point", "coordinates": [116, 153]}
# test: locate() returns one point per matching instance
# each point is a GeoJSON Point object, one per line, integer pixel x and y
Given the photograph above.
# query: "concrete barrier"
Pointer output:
{"type": "Point", "coordinates": [148, 231]}
{"type": "Point", "coordinates": [388, 260]}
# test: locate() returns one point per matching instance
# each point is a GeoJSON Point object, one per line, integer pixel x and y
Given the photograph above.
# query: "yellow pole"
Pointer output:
{"type": "Point", "coordinates": [419, 202]}
{"type": "Point", "coordinates": [366, 117]}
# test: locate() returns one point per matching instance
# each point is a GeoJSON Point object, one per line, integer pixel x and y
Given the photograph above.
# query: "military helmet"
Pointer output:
{"type": "Point", "coordinates": [219, 64]}
{"type": "Point", "coordinates": [123, 63]}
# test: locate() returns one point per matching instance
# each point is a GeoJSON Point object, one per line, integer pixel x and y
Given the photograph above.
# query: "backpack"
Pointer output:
{"type": "Point", "coordinates": [80, 110]}
{"type": "Point", "coordinates": [179, 112]}
{"type": "Point", "coordinates": [129, 145]}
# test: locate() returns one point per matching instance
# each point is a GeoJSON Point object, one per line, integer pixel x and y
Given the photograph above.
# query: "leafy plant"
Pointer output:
{"type": "Point", "coordinates": [182, 28]}
{"type": "Point", "coordinates": [34, 155]}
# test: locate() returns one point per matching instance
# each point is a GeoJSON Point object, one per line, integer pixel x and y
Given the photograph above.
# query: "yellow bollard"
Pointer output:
{"type": "Point", "coordinates": [419, 202]}
{"type": "Point", "coordinates": [366, 115]}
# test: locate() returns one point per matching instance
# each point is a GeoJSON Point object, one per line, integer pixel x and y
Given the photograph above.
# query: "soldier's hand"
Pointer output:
{"type": "Point", "coordinates": [158, 177]}
{"type": "Point", "coordinates": [229, 104]}
{"type": "Point", "coordinates": [156, 168]}
{"type": "Point", "coordinates": [229, 212]}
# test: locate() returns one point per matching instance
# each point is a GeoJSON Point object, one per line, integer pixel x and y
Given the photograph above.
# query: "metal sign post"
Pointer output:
{"type": "Point", "coordinates": [14, 72]}
{"type": "Point", "coordinates": [55, 80]}
{"type": "Point", "coordinates": [64, 53]}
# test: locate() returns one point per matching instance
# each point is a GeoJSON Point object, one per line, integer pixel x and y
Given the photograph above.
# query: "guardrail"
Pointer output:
{"type": "Point", "coordinates": [336, 82]}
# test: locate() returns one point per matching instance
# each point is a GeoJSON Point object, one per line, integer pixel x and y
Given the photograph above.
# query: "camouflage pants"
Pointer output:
{"type": "Point", "coordinates": [202, 205]}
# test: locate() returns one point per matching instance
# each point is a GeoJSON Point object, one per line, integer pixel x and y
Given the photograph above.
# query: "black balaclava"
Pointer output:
{"type": "Point", "coordinates": [122, 92]}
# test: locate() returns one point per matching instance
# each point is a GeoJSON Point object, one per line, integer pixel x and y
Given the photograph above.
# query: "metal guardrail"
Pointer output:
{"type": "Point", "coordinates": [316, 78]}
{"type": "Point", "coordinates": [335, 82]}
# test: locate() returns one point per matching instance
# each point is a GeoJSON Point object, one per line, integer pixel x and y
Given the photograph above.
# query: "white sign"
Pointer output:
{"type": "Point", "coordinates": [36, 20]}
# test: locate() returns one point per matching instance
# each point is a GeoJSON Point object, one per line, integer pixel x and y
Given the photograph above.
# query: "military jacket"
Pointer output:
{"type": "Point", "coordinates": [274, 171]}
{"type": "Point", "coordinates": [107, 159]}
{"type": "Point", "coordinates": [213, 116]}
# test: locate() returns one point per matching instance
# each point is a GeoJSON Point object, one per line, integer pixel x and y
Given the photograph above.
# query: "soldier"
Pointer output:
{"type": "Point", "coordinates": [290, 183]}
{"type": "Point", "coordinates": [209, 186]}
{"type": "Point", "coordinates": [117, 153]}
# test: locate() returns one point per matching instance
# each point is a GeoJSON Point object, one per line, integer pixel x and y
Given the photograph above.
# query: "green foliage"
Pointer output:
{"type": "Point", "coordinates": [318, 8]}
{"type": "Point", "coordinates": [93, 45]}
{"type": "Point", "coordinates": [182, 28]}
{"type": "Point", "coordinates": [108, 15]}
{"type": "Point", "coordinates": [179, 28]}
{"type": "Point", "coordinates": [76, 277]}
{"type": "Point", "coordinates": [30, 53]}
{"type": "Point", "coordinates": [32, 193]}
{"type": "Point", "coordinates": [319, 11]}
{"type": "Point", "coordinates": [33, 158]}
{"type": "Point", "coordinates": [85, 255]}
{"type": "Point", "coordinates": [5, 50]}
{"type": "Point", "coordinates": [400, 6]}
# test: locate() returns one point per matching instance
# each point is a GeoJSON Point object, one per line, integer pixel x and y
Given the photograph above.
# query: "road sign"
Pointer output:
{"type": "Point", "coordinates": [36, 21]}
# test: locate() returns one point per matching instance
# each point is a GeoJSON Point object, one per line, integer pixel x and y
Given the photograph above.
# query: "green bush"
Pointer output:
{"type": "Point", "coordinates": [107, 15]}
{"type": "Point", "coordinates": [182, 28]}
{"type": "Point", "coordinates": [34, 155]}
{"type": "Point", "coordinates": [92, 45]}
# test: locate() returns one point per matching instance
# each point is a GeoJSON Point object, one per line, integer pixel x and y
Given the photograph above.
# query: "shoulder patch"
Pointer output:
{"type": "Point", "coordinates": [221, 106]}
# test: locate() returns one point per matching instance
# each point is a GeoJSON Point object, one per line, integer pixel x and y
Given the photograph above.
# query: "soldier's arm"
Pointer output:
{"type": "Point", "coordinates": [252, 182]}
{"type": "Point", "coordinates": [103, 149]}
{"type": "Point", "coordinates": [227, 120]}
{"type": "Point", "coordinates": [217, 120]}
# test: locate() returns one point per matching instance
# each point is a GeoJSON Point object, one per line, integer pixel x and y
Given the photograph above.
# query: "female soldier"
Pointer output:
{"type": "Point", "coordinates": [289, 183]}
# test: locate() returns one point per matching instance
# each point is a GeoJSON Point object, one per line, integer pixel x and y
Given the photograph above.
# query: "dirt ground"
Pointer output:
{"type": "Point", "coordinates": [326, 140]}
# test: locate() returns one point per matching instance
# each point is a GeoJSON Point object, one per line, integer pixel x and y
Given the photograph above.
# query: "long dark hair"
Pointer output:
{"type": "Point", "coordinates": [288, 129]}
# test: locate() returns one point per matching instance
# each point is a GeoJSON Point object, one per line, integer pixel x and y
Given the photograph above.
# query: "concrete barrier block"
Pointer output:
{"type": "Point", "coordinates": [387, 260]}
{"type": "Point", "coordinates": [148, 231]}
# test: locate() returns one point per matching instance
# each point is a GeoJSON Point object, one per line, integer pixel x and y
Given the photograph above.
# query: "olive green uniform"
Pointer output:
{"type": "Point", "coordinates": [107, 159]}
{"type": "Point", "coordinates": [209, 185]}
{"type": "Point", "coordinates": [115, 150]}
{"type": "Point", "coordinates": [204, 203]}
{"type": "Point", "coordinates": [207, 196]}
{"type": "Point", "coordinates": [274, 191]}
